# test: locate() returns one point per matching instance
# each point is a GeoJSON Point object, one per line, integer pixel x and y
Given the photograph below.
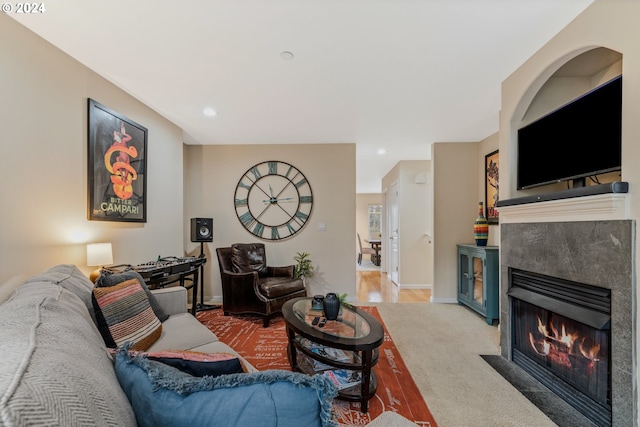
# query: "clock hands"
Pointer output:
{"type": "Point", "coordinates": [276, 200]}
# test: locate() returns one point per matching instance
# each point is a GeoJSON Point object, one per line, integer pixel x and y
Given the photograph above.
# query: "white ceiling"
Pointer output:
{"type": "Point", "coordinates": [392, 74]}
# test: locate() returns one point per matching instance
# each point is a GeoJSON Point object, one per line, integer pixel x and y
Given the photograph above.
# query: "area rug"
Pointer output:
{"type": "Point", "coordinates": [266, 348]}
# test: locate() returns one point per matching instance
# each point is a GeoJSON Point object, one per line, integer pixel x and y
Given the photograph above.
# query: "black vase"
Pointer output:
{"type": "Point", "coordinates": [331, 305]}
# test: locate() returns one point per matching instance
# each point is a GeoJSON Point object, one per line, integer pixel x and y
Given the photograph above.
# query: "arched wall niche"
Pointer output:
{"type": "Point", "coordinates": [566, 79]}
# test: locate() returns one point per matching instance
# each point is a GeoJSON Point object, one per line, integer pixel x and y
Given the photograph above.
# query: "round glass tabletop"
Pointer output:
{"type": "Point", "coordinates": [348, 325]}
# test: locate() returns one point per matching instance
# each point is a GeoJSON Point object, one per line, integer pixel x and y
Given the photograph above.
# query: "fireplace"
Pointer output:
{"type": "Point", "coordinates": [561, 336]}
{"type": "Point", "coordinates": [566, 312]}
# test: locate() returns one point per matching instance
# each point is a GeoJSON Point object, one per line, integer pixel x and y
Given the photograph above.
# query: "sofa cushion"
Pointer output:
{"type": "Point", "coordinates": [163, 395]}
{"type": "Point", "coordinates": [248, 257]}
{"type": "Point", "coordinates": [54, 370]}
{"type": "Point", "coordinates": [182, 331]}
{"type": "Point", "coordinates": [274, 287]}
{"type": "Point", "coordinates": [196, 363]}
{"type": "Point", "coordinates": [124, 315]}
{"type": "Point", "coordinates": [108, 278]}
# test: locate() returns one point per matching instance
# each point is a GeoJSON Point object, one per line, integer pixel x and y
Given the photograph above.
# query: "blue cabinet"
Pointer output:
{"type": "Point", "coordinates": [478, 280]}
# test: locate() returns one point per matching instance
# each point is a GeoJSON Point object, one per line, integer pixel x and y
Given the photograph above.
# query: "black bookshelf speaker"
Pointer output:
{"type": "Point", "coordinates": [202, 229]}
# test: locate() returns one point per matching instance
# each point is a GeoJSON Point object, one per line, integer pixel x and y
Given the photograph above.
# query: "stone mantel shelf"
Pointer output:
{"type": "Point", "coordinates": [601, 207]}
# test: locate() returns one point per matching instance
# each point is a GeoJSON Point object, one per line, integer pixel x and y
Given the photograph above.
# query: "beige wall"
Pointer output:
{"type": "Point", "coordinates": [211, 174]}
{"type": "Point", "coordinates": [455, 204]}
{"type": "Point", "coordinates": [414, 216]}
{"type": "Point", "coordinates": [43, 147]}
{"type": "Point", "coordinates": [609, 23]}
{"type": "Point", "coordinates": [362, 215]}
{"type": "Point", "coordinates": [459, 184]}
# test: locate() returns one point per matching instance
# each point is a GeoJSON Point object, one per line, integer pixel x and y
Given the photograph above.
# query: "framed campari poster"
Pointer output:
{"type": "Point", "coordinates": [117, 166]}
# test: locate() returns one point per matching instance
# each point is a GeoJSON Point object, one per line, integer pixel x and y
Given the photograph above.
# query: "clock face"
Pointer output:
{"type": "Point", "coordinates": [273, 200]}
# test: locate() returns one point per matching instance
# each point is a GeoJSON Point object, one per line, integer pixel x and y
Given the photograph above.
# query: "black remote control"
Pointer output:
{"type": "Point", "coordinates": [322, 323]}
{"type": "Point", "coordinates": [315, 320]}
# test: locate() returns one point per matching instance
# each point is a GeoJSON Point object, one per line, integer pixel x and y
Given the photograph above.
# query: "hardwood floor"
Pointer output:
{"type": "Point", "coordinates": [374, 286]}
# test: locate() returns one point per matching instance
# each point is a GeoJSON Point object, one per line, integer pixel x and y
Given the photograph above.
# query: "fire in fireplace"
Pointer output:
{"type": "Point", "coordinates": [561, 336]}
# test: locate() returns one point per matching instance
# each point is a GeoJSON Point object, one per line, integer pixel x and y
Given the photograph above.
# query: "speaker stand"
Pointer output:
{"type": "Point", "coordinates": [201, 306]}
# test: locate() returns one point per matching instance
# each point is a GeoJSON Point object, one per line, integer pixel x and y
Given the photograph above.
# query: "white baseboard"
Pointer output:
{"type": "Point", "coordinates": [450, 300]}
{"type": "Point", "coordinates": [212, 300]}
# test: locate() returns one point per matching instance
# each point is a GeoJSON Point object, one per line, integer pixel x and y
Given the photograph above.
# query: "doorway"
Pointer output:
{"type": "Point", "coordinates": [394, 234]}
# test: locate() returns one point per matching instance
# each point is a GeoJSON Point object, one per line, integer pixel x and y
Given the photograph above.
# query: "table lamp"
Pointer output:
{"type": "Point", "coordinates": [98, 254]}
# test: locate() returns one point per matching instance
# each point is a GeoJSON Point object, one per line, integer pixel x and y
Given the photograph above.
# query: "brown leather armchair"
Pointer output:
{"type": "Point", "coordinates": [250, 286]}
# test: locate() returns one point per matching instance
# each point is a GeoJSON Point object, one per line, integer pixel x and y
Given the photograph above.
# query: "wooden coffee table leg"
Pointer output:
{"type": "Point", "coordinates": [366, 379]}
{"type": "Point", "coordinates": [292, 349]}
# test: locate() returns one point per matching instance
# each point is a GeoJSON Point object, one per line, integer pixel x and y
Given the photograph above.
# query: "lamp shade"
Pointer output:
{"type": "Point", "coordinates": [99, 254]}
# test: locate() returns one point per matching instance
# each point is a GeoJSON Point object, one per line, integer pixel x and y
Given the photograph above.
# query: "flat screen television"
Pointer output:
{"type": "Point", "coordinates": [578, 140]}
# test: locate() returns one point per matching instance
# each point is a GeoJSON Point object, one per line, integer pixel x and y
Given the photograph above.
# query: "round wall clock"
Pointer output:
{"type": "Point", "coordinates": [273, 200]}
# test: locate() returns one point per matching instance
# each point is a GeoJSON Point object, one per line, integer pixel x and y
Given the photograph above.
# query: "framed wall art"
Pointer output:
{"type": "Point", "coordinates": [117, 167]}
{"type": "Point", "coordinates": [491, 193]}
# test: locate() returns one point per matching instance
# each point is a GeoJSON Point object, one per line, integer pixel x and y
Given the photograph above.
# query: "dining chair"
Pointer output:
{"type": "Point", "coordinates": [362, 250]}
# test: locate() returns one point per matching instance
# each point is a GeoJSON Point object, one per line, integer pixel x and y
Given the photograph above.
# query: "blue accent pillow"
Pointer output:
{"type": "Point", "coordinates": [165, 396]}
{"type": "Point", "coordinates": [196, 363]}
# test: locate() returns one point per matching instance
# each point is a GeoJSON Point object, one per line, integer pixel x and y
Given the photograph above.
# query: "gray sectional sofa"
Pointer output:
{"type": "Point", "coordinates": [56, 371]}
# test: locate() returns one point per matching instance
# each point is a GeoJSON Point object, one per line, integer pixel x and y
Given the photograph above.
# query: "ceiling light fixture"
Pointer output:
{"type": "Point", "coordinates": [286, 55]}
{"type": "Point", "coordinates": [209, 112]}
{"type": "Point", "coordinates": [382, 151]}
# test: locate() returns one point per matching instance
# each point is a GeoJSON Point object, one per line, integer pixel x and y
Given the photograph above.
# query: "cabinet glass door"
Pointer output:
{"type": "Point", "coordinates": [477, 280]}
{"type": "Point", "coordinates": [465, 275]}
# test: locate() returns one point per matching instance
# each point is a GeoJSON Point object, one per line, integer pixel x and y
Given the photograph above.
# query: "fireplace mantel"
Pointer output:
{"type": "Point", "coordinates": [601, 207]}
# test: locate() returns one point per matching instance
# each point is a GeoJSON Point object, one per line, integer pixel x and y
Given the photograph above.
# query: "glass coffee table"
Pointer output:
{"type": "Point", "coordinates": [345, 350]}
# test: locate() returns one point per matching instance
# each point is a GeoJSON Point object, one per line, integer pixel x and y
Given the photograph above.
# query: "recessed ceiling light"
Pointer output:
{"type": "Point", "coordinates": [209, 112]}
{"type": "Point", "coordinates": [382, 151]}
{"type": "Point", "coordinates": [286, 55]}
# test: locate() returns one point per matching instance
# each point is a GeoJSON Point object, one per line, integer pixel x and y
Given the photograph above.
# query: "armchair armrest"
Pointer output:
{"type": "Point", "coordinates": [287, 271]}
{"type": "Point", "coordinates": [241, 290]}
{"type": "Point", "coordinates": [173, 299]}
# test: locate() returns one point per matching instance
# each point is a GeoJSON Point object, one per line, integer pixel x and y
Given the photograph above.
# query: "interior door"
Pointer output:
{"type": "Point", "coordinates": [394, 247]}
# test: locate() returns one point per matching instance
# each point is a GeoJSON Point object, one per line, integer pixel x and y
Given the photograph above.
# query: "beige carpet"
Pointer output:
{"type": "Point", "coordinates": [441, 345]}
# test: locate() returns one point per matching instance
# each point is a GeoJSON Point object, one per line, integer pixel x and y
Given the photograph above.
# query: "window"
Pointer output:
{"type": "Point", "coordinates": [375, 216]}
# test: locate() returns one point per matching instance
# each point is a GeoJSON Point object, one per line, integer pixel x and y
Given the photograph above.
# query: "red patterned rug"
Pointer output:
{"type": "Point", "coordinates": [266, 348]}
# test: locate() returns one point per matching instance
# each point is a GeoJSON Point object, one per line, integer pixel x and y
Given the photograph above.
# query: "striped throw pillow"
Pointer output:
{"type": "Point", "coordinates": [124, 315]}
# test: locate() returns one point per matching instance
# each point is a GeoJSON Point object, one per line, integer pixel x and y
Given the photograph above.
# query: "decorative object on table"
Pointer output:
{"type": "Point", "coordinates": [304, 266]}
{"type": "Point", "coordinates": [117, 167]}
{"type": "Point", "coordinates": [273, 200]}
{"type": "Point", "coordinates": [481, 228]}
{"type": "Point", "coordinates": [491, 187]}
{"type": "Point", "coordinates": [100, 255]}
{"type": "Point", "coordinates": [317, 302]}
{"type": "Point", "coordinates": [331, 306]}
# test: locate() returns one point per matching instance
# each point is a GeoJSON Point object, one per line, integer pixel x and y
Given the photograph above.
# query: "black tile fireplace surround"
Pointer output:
{"type": "Point", "coordinates": [596, 253]}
